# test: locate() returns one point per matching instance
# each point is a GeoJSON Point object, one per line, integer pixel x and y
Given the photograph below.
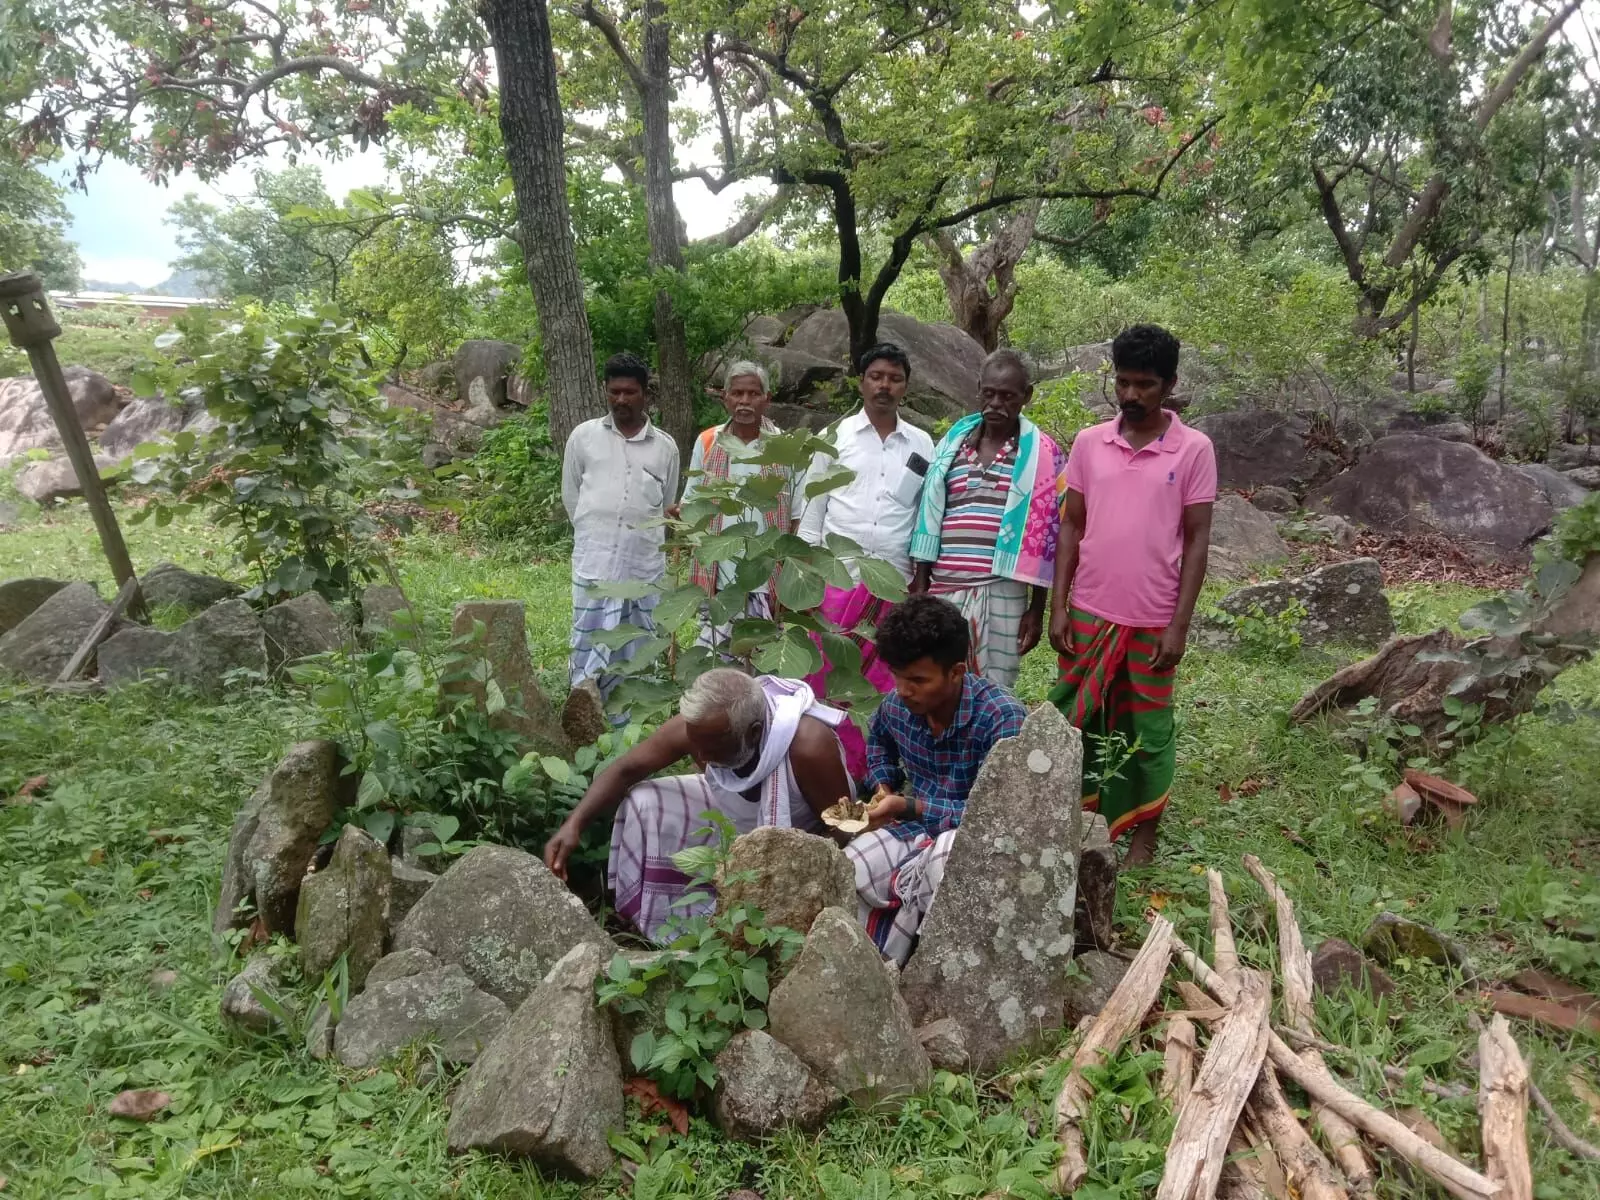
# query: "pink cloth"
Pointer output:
{"type": "Point", "coordinates": [1132, 548]}
{"type": "Point", "coordinates": [844, 610]}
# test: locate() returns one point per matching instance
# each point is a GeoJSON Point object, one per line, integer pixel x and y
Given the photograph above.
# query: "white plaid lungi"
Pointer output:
{"type": "Point", "coordinates": [590, 615]}
{"type": "Point", "coordinates": [994, 617]}
{"type": "Point", "coordinates": [896, 882]}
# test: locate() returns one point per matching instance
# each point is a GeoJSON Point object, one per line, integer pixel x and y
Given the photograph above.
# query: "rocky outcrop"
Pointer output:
{"type": "Point", "coordinates": [438, 1005]}
{"type": "Point", "coordinates": [274, 836]}
{"type": "Point", "coordinates": [763, 1088]}
{"type": "Point", "coordinates": [505, 646]}
{"type": "Point", "coordinates": [1344, 602]}
{"type": "Point", "coordinates": [300, 628]}
{"type": "Point", "coordinates": [43, 642]}
{"type": "Point", "coordinates": [994, 948]}
{"type": "Point", "coordinates": [19, 597]}
{"type": "Point", "coordinates": [549, 1086]}
{"type": "Point", "coordinates": [503, 917]}
{"type": "Point", "coordinates": [198, 656]}
{"type": "Point", "coordinates": [789, 875]}
{"type": "Point", "coordinates": [25, 421]}
{"type": "Point", "coordinates": [1256, 447]}
{"type": "Point", "coordinates": [481, 368]}
{"type": "Point", "coordinates": [1243, 539]}
{"type": "Point", "coordinates": [945, 360]}
{"type": "Point", "coordinates": [344, 909]}
{"type": "Point", "coordinates": [1407, 483]}
{"type": "Point", "coordinates": [840, 1012]}
{"type": "Point", "coordinates": [1561, 492]}
{"type": "Point", "coordinates": [1587, 478]}
{"type": "Point", "coordinates": [169, 585]}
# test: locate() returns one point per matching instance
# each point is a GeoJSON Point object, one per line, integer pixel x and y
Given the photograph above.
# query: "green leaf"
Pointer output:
{"type": "Point", "coordinates": [619, 970]}
{"type": "Point", "coordinates": [618, 636]}
{"type": "Point", "coordinates": [754, 1018]}
{"type": "Point", "coordinates": [379, 825]}
{"type": "Point", "coordinates": [676, 1020]}
{"type": "Point", "coordinates": [494, 700]}
{"type": "Point", "coordinates": [832, 478]}
{"type": "Point", "coordinates": [677, 606]}
{"type": "Point", "coordinates": [799, 587]}
{"type": "Point", "coordinates": [791, 656]}
{"type": "Point", "coordinates": [754, 979]}
{"type": "Point", "coordinates": [558, 769]}
{"type": "Point", "coordinates": [963, 1185]}
{"type": "Point", "coordinates": [371, 791]}
{"type": "Point", "coordinates": [642, 1049]}
{"type": "Point", "coordinates": [702, 979]}
{"type": "Point", "coordinates": [843, 653]}
{"type": "Point", "coordinates": [883, 580]}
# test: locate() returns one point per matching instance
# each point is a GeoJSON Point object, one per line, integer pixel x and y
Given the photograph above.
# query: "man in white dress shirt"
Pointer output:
{"type": "Point", "coordinates": [877, 509]}
{"type": "Point", "coordinates": [619, 473]}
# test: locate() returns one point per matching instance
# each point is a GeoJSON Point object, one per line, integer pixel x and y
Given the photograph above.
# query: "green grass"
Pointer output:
{"type": "Point", "coordinates": [110, 874]}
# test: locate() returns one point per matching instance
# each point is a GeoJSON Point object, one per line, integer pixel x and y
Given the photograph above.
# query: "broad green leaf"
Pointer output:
{"type": "Point", "coordinates": [642, 1049]}
{"type": "Point", "coordinates": [791, 656]}
{"type": "Point", "coordinates": [618, 636]}
{"type": "Point", "coordinates": [370, 792]}
{"type": "Point", "coordinates": [558, 769]}
{"type": "Point", "coordinates": [831, 479]}
{"type": "Point", "coordinates": [379, 824]}
{"type": "Point", "coordinates": [799, 587]}
{"type": "Point", "coordinates": [755, 982]}
{"type": "Point", "coordinates": [750, 633]}
{"type": "Point", "coordinates": [619, 970]}
{"type": "Point", "coordinates": [882, 579]}
{"type": "Point", "coordinates": [494, 700]}
{"type": "Point", "coordinates": [677, 606]}
{"type": "Point", "coordinates": [842, 653]}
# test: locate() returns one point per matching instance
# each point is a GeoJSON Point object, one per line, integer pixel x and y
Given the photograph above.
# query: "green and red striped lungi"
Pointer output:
{"type": "Point", "coordinates": [1107, 687]}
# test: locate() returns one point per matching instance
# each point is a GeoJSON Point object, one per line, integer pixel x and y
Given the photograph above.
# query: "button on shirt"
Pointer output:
{"type": "Point", "coordinates": [612, 485]}
{"type": "Point", "coordinates": [878, 508]}
{"type": "Point", "coordinates": [938, 770]}
{"type": "Point", "coordinates": [1132, 550]}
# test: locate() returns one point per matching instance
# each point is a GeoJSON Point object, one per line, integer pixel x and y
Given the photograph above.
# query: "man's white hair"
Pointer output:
{"type": "Point", "coordinates": [724, 690]}
{"type": "Point", "coordinates": [746, 366]}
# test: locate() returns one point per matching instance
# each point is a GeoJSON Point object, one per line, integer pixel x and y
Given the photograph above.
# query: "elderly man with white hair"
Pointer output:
{"type": "Point", "coordinates": [769, 754]}
{"type": "Point", "coordinates": [726, 452]}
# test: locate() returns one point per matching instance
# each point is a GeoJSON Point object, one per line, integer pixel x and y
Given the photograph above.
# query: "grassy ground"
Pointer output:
{"type": "Point", "coordinates": [109, 877]}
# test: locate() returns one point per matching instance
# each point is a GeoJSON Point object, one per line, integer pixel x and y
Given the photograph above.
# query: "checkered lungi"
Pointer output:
{"type": "Point", "coordinates": [590, 615]}
{"type": "Point", "coordinates": [896, 882]}
{"type": "Point", "coordinates": [994, 615]}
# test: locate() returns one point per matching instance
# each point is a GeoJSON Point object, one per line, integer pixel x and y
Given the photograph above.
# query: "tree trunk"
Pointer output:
{"type": "Point", "coordinates": [661, 224]}
{"type": "Point", "coordinates": [531, 125]}
{"type": "Point", "coordinates": [973, 306]}
{"type": "Point", "coordinates": [1505, 323]}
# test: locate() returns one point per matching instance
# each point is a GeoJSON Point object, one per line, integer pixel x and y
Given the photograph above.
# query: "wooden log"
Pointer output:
{"type": "Point", "coordinates": [1258, 1161]}
{"type": "Point", "coordinates": [1177, 1063]}
{"type": "Point", "coordinates": [1503, 1111]}
{"type": "Point", "coordinates": [1206, 1119]}
{"type": "Point", "coordinates": [1224, 954]}
{"type": "Point", "coordinates": [1394, 1074]}
{"type": "Point", "coordinates": [1308, 1172]}
{"type": "Point", "coordinates": [1295, 967]}
{"type": "Point", "coordinates": [1123, 1013]}
{"type": "Point", "coordinates": [1543, 1012]}
{"type": "Point", "coordinates": [101, 628]}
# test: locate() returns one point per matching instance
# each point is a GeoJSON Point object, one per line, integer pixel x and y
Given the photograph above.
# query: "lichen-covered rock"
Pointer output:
{"type": "Point", "coordinates": [409, 885]}
{"type": "Point", "coordinates": [1391, 936]}
{"type": "Point", "coordinates": [1094, 977]}
{"type": "Point", "coordinates": [549, 1086]}
{"type": "Point", "coordinates": [994, 948]}
{"type": "Point", "coordinates": [505, 646]}
{"type": "Point", "coordinates": [344, 909]}
{"type": "Point", "coordinates": [43, 642]}
{"type": "Point", "coordinates": [945, 1044]}
{"type": "Point", "coordinates": [1094, 926]}
{"type": "Point", "coordinates": [839, 1011]}
{"type": "Point", "coordinates": [19, 597]}
{"type": "Point", "coordinates": [788, 874]}
{"type": "Point", "coordinates": [378, 608]}
{"type": "Point", "coordinates": [1243, 539]}
{"type": "Point", "coordinates": [503, 917]}
{"type": "Point", "coordinates": [298, 629]}
{"type": "Point", "coordinates": [1344, 603]}
{"type": "Point", "coordinates": [242, 1006]}
{"type": "Point", "coordinates": [167, 584]}
{"type": "Point", "coordinates": [763, 1088]}
{"type": "Point", "coordinates": [198, 656]}
{"type": "Point", "coordinates": [439, 1006]}
{"type": "Point", "coordinates": [400, 964]}
{"type": "Point", "coordinates": [583, 717]}
{"type": "Point", "coordinates": [1337, 965]}
{"type": "Point", "coordinates": [275, 834]}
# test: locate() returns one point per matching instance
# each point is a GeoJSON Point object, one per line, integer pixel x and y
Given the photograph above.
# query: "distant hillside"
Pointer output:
{"type": "Point", "coordinates": [179, 283]}
{"type": "Point", "coordinates": [100, 285]}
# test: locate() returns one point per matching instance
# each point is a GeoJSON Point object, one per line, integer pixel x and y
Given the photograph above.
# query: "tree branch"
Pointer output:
{"type": "Point", "coordinates": [749, 223]}
{"type": "Point", "coordinates": [607, 26]}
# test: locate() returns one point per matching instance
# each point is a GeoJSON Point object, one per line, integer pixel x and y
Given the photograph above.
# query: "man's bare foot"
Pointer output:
{"type": "Point", "coordinates": [1142, 846]}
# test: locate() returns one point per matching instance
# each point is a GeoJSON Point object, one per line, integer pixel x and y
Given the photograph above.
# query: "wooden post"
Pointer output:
{"type": "Point", "coordinates": [32, 328]}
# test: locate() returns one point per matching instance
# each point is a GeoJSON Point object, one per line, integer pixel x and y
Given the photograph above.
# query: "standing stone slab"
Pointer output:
{"type": "Point", "coordinates": [549, 1087]}
{"type": "Point", "coordinates": [378, 608]}
{"type": "Point", "coordinates": [505, 645]}
{"type": "Point", "coordinates": [839, 1011]}
{"type": "Point", "coordinates": [1095, 927]}
{"type": "Point", "coordinates": [344, 909]}
{"type": "Point", "coordinates": [503, 917]}
{"type": "Point", "coordinates": [438, 1006]}
{"type": "Point", "coordinates": [763, 1088]}
{"type": "Point", "coordinates": [298, 629]}
{"type": "Point", "coordinates": [995, 945]}
{"type": "Point", "coordinates": [44, 641]}
{"type": "Point", "coordinates": [275, 834]}
{"type": "Point", "coordinates": [1344, 603]}
{"type": "Point", "coordinates": [19, 597]}
{"type": "Point", "coordinates": [793, 875]}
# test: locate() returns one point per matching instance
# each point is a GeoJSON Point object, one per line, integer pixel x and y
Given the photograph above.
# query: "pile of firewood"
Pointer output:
{"type": "Point", "coordinates": [1236, 1133]}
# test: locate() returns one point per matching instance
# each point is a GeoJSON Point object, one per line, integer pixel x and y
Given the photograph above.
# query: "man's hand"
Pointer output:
{"type": "Point", "coordinates": [921, 577]}
{"type": "Point", "coordinates": [1028, 630]}
{"type": "Point", "coordinates": [1061, 629]}
{"type": "Point", "coordinates": [560, 847]}
{"type": "Point", "coordinates": [889, 806]}
{"type": "Point", "coordinates": [1169, 651]}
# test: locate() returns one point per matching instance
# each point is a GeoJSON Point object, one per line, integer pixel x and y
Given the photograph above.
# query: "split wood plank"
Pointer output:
{"type": "Point", "coordinates": [126, 595]}
{"type": "Point", "coordinates": [1224, 953]}
{"type": "Point", "coordinates": [1207, 1117]}
{"type": "Point", "coordinates": [1123, 1014]}
{"type": "Point", "coordinates": [1309, 1173]}
{"type": "Point", "coordinates": [1503, 1110]}
{"type": "Point", "coordinates": [1543, 1012]}
{"type": "Point", "coordinates": [1177, 1060]}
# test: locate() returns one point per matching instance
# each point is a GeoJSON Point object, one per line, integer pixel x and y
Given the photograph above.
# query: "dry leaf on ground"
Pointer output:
{"type": "Point", "coordinates": [652, 1101]}
{"type": "Point", "coordinates": [139, 1105]}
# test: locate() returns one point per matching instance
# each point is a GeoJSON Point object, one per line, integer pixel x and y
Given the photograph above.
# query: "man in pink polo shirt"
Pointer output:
{"type": "Point", "coordinates": [1135, 530]}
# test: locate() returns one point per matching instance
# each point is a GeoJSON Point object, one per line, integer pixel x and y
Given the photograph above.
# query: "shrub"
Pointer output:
{"type": "Point", "coordinates": [514, 484]}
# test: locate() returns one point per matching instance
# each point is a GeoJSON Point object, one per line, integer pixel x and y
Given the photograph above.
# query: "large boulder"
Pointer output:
{"type": "Point", "coordinates": [945, 360]}
{"type": "Point", "coordinates": [1344, 603]}
{"type": "Point", "coordinates": [481, 368]}
{"type": "Point", "coordinates": [789, 874]}
{"type": "Point", "coordinates": [993, 950]}
{"type": "Point", "coordinates": [549, 1086]}
{"type": "Point", "coordinates": [840, 1012]}
{"type": "Point", "coordinates": [1406, 483]}
{"type": "Point", "coordinates": [344, 909]}
{"type": "Point", "coordinates": [42, 643]}
{"type": "Point", "coordinates": [274, 836]}
{"type": "Point", "coordinates": [19, 597]}
{"type": "Point", "coordinates": [25, 421]}
{"type": "Point", "coordinates": [1243, 539]}
{"type": "Point", "coordinates": [1256, 447]}
{"type": "Point", "coordinates": [503, 917]}
{"type": "Point", "coordinates": [1564, 456]}
{"type": "Point", "coordinates": [796, 376]}
{"type": "Point", "coordinates": [1578, 612]}
{"type": "Point", "coordinates": [300, 628]}
{"type": "Point", "coordinates": [1587, 478]}
{"type": "Point", "coordinates": [54, 479]}
{"type": "Point", "coordinates": [401, 1006]}
{"type": "Point", "coordinates": [505, 646]}
{"type": "Point", "coordinates": [198, 656]}
{"type": "Point", "coordinates": [1561, 492]}
{"type": "Point", "coordinates": [762, 1087]}
{"type": "Point", "coordinates": [169, 585]}
{"type": "Point", "coordinates": [147, 419]}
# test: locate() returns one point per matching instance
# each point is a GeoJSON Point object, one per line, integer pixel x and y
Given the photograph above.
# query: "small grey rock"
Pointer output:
{"type": "Point", "coordinates": [1095, 976]}
{"type": "Point", "coordinates": [43, 642]}
{"type": "Point", "coordinates": [945, 1046]}
{"type": "Point", "coordinates": [788, 874]}
{"type": "Point", "coordinates": [242, 1007]}
{"type": "Point", "coordinates": [435, 1006]}
{"type": "Point", "coordinates": [1273, 499]}
{"type": "Point", "coordinates": [19, 597]}
{"type": "Point", "coordinates": [300, 628]}
{"type": "Point", "coordinates": [763, 1088]}
{"type": "Point", "coordinates": [400, 964]}
{"type": "Point", "coordinates": [1337, 965]}
{"type": "Point", "coordinates": [407, 888]}
{"type": "Point", "coordinates": [167, 584]}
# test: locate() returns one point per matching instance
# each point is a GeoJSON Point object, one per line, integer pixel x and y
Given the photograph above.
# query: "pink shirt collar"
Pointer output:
{"type": "Point", "coordinates": [1167, 443]}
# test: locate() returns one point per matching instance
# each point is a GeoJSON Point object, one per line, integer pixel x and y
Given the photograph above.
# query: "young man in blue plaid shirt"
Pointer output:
{"type": "Point", "coordinates": [927, 741]}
